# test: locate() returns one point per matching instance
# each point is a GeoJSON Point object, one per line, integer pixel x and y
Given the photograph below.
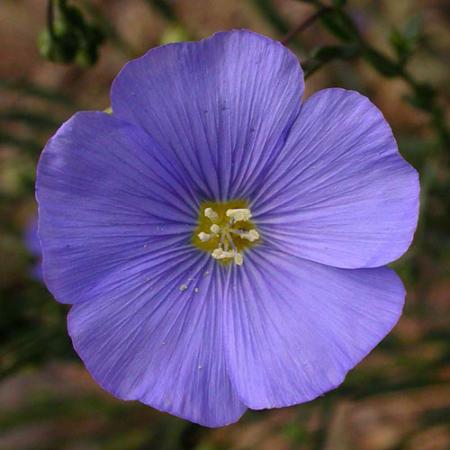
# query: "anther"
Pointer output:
{"type": "Point", "coordinates": [238, 215]}
{"type": "Point", "coordinates": [211, 214]}
{"type": "Point", "coordinates": [238, 259]}
{"type": "Point", "coordinates": [215, 228]}
{"type": "Point", "coordinates": [204, 237]}
{"type": "Point", "coordinates": [251, 235]}
{"type": "Point", "coordinates": [218, 253]}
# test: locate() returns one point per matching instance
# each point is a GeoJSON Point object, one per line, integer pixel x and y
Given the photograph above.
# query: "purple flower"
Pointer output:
{"type": "Point", "coordinates": [33, 246]}
{"type": "Point", "coordinates": [221, 242]}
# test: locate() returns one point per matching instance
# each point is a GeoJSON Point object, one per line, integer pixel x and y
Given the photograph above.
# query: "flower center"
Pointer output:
{"type": "Point", "coordinates": [225, 230]}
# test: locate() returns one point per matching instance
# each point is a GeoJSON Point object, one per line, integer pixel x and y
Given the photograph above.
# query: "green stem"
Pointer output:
{"type": "Point", "coordinates": [267, 9]}
{"type": "Point", "coordinates": [50, 18]}
{"type": "Point", "coordinates": [303, 26]}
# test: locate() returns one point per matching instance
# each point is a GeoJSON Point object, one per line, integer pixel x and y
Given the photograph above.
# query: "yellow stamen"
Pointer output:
{"type": "Point", "coordinates": [225, 231]}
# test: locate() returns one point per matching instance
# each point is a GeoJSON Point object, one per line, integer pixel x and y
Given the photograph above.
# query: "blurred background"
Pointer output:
{"type": "Point", "coordinates": [59, 57]}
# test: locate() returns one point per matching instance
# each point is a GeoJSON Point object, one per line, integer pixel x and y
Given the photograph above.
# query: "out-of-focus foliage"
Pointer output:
{"type": "Point", "coordinates": [394, 52]}
{"type": "Point", "coordinates": [68, 37]}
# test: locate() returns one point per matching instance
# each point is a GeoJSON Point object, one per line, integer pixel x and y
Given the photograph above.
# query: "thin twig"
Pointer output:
{"type": "Point", "coordinates": [304, 25]}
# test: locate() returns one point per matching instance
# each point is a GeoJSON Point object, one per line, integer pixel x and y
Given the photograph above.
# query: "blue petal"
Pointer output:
{"type": "Point", "coordinates": [339, 193]}
{"type": "Point", "coordinates": [222, 106]}
{"type": "Point", "coordinates": [297, 327]}
{"type": "Point", "coordinates": [111, 207]}
{"type": "Point", "coordinates": [161, 344]}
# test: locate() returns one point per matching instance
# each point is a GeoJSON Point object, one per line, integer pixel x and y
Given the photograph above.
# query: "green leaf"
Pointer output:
{"type": "Point", "coordinates": [69, 37]}
{"type": "Point", "coordinates": [381, 63]}
{"type": "Point", "coordinates": [414, 28]}
{"type": "Point", "coordinates": [405, 42]}
{"type": "Point", "coordinates": [338, 23]}
{"type": "Point", "coordinates": [323, 55]}
{"type": "Point", "coordinates": [327, 53]}
{"type": "Point", "coordinates": [423, 97]}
